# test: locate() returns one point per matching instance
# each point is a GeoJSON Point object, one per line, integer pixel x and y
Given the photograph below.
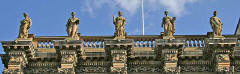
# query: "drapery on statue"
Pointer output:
{"type": "Point", "coordinates": [119, 23]}
{"type": "Point", "coordinates": [24, 28]}
{"type": "Point", "coordinates": [216, 24]}
{"type": "Point", "coordinates": [169, 24]}
{"type": "Point", "coordinates": [72, 26]}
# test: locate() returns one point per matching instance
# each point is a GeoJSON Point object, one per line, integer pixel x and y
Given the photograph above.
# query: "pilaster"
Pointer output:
{"type": "Point", "coordinates": [18, 53]}
{"type": "Point", "coordinates": [118, 50]}
{"type": "Point", "coordinates": [221, 49]}
{"type": "Point", "coordinates": [168, 50]}
{"type": "Point", "coordinates": [68, 51]}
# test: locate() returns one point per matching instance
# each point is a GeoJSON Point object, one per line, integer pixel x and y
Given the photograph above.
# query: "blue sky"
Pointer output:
{"type": "Point", "coordinates": [50, 16]}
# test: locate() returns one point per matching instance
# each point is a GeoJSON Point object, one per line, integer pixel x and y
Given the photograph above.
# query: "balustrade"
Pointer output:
{"type": "Point", "coordinates": [140, 41]}
{"type": "Point", "coordinates": [93, 43]}
{"type": "Point", "coordinates": [45, 42]}
{"type": "Point", "coordinates": [144, 43]}
{"type": "Point", "coordinates": [194, 42]}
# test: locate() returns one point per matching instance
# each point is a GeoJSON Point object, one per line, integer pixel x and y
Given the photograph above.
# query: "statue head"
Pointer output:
{"type": "Point", "coordinates": [25, 15]}
{"type": "Point", "coordinates": [73, 14]}
{"type": "Point", "coordinates": [166, 13]}
{"type": "Point", "coordinates": [215, 13]}
{"type": "Point", "coordinates": [120, 13]}
{"type": "Point", "coordinates": [174, 18]}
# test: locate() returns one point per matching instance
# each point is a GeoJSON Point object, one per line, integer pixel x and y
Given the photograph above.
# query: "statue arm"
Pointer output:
{"type": "Point", "coordinates": [67, 22]}
{"type": "Point", "coordinates": [124, 21]}
{"type": "Point", "coordinates": [211, 22]}
{"type": "Point", "coordinates": [220, 21]}
{"type": "Point", "coordinates": [162, 22]}
{"type": "Point", "coordinates": [77, 21]}
{"type": "Point", "coordinates": [114, 20]}
{"type": "Point", "coordinates": [30, 23]}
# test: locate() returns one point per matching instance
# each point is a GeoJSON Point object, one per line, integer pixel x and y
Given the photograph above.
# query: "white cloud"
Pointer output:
{"type": "Point", "coordinates": [88, 8]}
{"type": "Point", "coordinates": [177, 7]}
{"type": "Point", "coordinates": [129, 5]}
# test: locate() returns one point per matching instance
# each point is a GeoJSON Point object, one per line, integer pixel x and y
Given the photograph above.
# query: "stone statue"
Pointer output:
{"type": "Point", "coordinates": [119, 23]}
{"type": "Point", "coordinates": [216, 24]}
{"type": "Point", "coordinates": [24, 28]}
{"type": "Point", "coordinates": [169, 25]}
{"type": "Point", "coordinates": [173, 25]}
{"type": "Point", "coordinates": [72, 26]}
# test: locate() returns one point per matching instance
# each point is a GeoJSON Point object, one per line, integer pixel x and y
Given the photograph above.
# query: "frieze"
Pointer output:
{"type": "Point", "coordinates": [195, 68]}
{"type": "Point", "coordinates": [145, 69]}
{"type": "Point", "coordinates": [41, 70]}
{"type": "Point", "coordinates": [16, 43]}
{"type": "Point", "coordinates": [121, 70]}
{"type": "Point", "coordinates": [91, 69]}
{"type": "Point", "coordinates": [222, 41]}
{"type": "Point", "coordinates": [67, 42]}
{"type": "Point", "coordinates": [12, 71]}
{"type": "Point", "coordinates": [168, 42]}
{"type": "Point", "coordinates": [65, 70]}
{"type": "Point", "coordinates": [118, 41]}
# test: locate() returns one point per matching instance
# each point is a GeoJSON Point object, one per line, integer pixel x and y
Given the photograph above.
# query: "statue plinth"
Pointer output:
{"type": "Point", "coordinates": [117, 38]}
{"type": "Point", "coordinates": [212, 36]}
{"type": "Point", "coordinates": [71, 38]}
{"type": "Point", "coordinates": [217, 37]}
{"type": "Point", "coordinates": [24, 39]}
{"type": "Point", "coordinates": [166, 37]}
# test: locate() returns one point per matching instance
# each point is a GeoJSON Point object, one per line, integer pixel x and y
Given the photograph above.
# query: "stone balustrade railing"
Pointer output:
{"type": "Point", "coordinates": [144, 41]}
{"type": "Point", "coordinates": [45, 42]}
{"type": "Point", "coordinates": [93, 44]}
{"type": "Point", "coordinates": [94, 41]}
{"type": "Point", "coordinates": [139, 40]}
{"type": "Point", "coordinates": [193, 40]}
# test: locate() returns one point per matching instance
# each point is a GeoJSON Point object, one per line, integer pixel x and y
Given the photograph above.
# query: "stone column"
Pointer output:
{"type": "Point", "coordinates": [221, 49]}
{"type": "Point", "coordinates": [18, 53]}
{"type": "Point", "coordinates": [168, 52]}
{"type": "Point", "coordinates": [67, 51]}
{"type": "Point", "coordinates": [118, 50]}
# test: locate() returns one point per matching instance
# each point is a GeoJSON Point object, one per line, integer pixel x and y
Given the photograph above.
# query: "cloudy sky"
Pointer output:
{"type": "Point", "coordinates": [49, 17]}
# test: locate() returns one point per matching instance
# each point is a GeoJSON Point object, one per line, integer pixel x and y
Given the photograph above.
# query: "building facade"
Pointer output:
{"type": "Point", "coordinates": [122, 53]}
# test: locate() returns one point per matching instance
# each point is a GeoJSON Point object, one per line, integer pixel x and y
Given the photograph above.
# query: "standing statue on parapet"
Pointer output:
{"type": "Point", "coordinates": [173, 25]}
{"type": "Point", "coordinates": [119, 23]}
{"type": "Point", "coordinates": [216, 24]}
{"type": "Point", "coordinates": [169, 25]}
{"type": "Point", "coordinates": [72, 26]}
{"type": "Point", "coordinates": [25, 26]}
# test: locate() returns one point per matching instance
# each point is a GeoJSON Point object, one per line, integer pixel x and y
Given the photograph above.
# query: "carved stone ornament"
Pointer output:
{"type": "Point", "coordinates": [68, 58]}
{"type": "Point", "coordinates": [122, 70]}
